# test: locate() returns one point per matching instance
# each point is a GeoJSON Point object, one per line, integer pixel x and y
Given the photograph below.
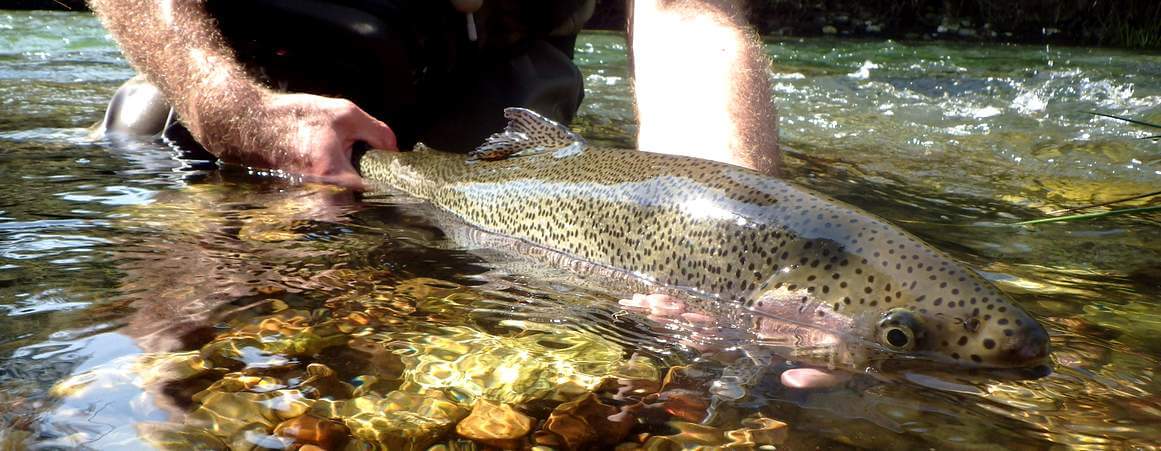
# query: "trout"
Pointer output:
{"type": "Point", "coordinates": [732, 241]}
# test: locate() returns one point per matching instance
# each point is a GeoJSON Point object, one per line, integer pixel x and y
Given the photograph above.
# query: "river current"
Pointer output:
{"type": "Point", "coordinates": [150, 301]}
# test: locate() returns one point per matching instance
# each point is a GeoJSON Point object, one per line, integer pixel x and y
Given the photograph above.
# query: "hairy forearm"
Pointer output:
{"type": "Point", "coordinates": [702, 83]}
{"type": "Point", "coordinates": [177, 46]}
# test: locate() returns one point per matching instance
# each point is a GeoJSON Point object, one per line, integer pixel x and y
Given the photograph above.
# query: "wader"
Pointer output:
{"type": "Point", "coordinates": [411, 63]}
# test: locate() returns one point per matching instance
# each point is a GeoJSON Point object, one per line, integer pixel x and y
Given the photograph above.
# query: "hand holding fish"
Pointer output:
{"type": "Point", "coordinates": [228, 111]}
{"type": "Point", "coordinates": [312, 136]}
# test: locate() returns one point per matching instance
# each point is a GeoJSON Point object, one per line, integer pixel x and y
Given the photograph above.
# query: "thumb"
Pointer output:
{"type": "Point", "coordinates": [373, 132]}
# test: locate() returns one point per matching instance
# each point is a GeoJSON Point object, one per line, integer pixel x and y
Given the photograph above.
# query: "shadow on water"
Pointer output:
{"type": "Point", "coordinates": [148, 301]}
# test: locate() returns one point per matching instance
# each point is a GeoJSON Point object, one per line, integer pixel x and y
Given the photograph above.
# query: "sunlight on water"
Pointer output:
{"type": "Point", "coordinates": [147, 303]}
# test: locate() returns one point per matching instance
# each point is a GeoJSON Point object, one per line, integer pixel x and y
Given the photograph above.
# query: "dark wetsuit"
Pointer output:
{"type": "Point", "coordinates": [410, 62]}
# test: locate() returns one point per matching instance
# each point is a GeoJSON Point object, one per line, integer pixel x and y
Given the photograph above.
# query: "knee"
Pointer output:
{"type": "Point", "coordinates": [138, 108]}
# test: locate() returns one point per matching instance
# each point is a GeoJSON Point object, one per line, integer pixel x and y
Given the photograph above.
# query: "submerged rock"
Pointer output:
{"type": "Point", "coordinates": [398, 420]}
{"type": "Point", "coordinates": [497, 425]}
{"type": "Point", "coordinates": [226, 413]}
{"type": "Point", "coordinates": [471, 364]}
{"type": "Point", "coordinates": [754, 433]}
{"type": "Point", "coordinates": [273, 341]}
{"type": "Point", "coordinates": [322, 382]}
{"type": "Point", "coordinates": [583, 423]}
{"type": "Point", "coordinates": [312, 430]}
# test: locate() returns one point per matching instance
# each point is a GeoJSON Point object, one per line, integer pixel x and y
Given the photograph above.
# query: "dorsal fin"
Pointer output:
{"type": "Point", "coordinates": [527, 132]}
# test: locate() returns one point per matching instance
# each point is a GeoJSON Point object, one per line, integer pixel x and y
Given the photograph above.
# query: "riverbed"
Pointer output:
{"type": "Point", "coordinates": [151, 301]}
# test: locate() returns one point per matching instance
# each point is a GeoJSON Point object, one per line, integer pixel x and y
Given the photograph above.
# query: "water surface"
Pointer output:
{"type": "Point", "coordinates": [118, 259]}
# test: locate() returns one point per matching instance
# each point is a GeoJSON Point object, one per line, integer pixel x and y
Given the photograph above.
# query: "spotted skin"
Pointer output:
{"type": "Point", "coordinates": [730, 236]}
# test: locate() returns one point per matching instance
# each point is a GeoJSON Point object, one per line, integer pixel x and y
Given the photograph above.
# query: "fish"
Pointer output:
{"type": "Point", "coordinates": [737, 243]}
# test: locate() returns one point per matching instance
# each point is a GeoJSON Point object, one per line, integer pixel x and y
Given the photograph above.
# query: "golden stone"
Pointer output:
{"type": "Point", "coordinates": [754, 433]}
{"type": "Point", "coordinates": [312, 430]}
{"type": "Point", "coordinates": [689, 435]}
{"type": "Point", "coordinates": [322, 382]}
{"type": "Point", "coordinates": [226, 413]}
{"type": "Point", "coordinates": [584, 422]}
{"type": "Point", "coordinates": [759, 432]}
{"type": "Point", "coordinates": [497, 425]}
{"type": "Point", "coordinates": [396, 421]}
{"type": "Point", "coordinates": [540, 362]}
{"type": "Point", "coordinates": [277, 305]}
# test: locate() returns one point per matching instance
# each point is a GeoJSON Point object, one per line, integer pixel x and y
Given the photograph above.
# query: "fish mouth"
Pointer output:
{"type": "Point", "coordinates": [1035, 350]}
{"type": "Point", "coordinates": [1030, 348]}
{"type": "Point", "coordinates": [935, 364]}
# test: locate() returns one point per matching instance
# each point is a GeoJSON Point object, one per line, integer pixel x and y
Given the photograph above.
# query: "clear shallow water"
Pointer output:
{"type": "Point", "coordinates": [115, 257]}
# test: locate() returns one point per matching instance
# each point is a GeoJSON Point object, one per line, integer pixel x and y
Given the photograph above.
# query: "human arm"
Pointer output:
{"type": "Point", "coordinates": [701, 82]}
{"type": "Point", "coordinates": [177, 46]}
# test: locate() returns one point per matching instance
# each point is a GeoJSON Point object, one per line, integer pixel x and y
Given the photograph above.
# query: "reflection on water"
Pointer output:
{"type": "Point", "coordinates": [148, 302]}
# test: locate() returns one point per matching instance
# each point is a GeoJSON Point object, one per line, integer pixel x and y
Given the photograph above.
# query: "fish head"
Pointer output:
{"type": "Point", "coordinates": [1006, 337]}
{"type": "Point", "coordinates": [883, 295]}
{"type": "Point", "coordinates": [911, 330]}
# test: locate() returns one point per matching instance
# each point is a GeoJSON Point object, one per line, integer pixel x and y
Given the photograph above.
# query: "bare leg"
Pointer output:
{"type": "Point", "coordinates": [702, 83]}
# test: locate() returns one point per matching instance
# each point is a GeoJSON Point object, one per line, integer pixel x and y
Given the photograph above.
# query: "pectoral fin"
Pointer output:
{"type": "Point", "coordinates": [527, 132]}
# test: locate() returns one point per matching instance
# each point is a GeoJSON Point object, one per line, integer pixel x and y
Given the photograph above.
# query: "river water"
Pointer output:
{"type": "Point", "coordinates": [150, 301]}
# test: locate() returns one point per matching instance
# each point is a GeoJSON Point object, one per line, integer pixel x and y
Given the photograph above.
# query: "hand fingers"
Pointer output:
{"type": "Point", "coordinates": [350, 180]}
{"type": "Point", "coordinates": [636, 303]}
{"type": "Point", "coordinates": [372, 131]}
{"type": "Point", "coordinates": [347, 179]}
{"type": "Point", "coordinates": [812, 378]}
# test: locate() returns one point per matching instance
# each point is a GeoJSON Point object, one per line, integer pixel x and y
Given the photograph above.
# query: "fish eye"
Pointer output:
{"type": "Point", "coordinates": [898, 338]}
{"type": "Point", "coordinates": [897, 330]}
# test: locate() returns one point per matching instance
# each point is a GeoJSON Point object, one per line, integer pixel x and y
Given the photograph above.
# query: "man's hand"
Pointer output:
{"type": "Point", "coordinates": [176, 44]}
{"type": "Point", "coordinates": [307, 135]}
